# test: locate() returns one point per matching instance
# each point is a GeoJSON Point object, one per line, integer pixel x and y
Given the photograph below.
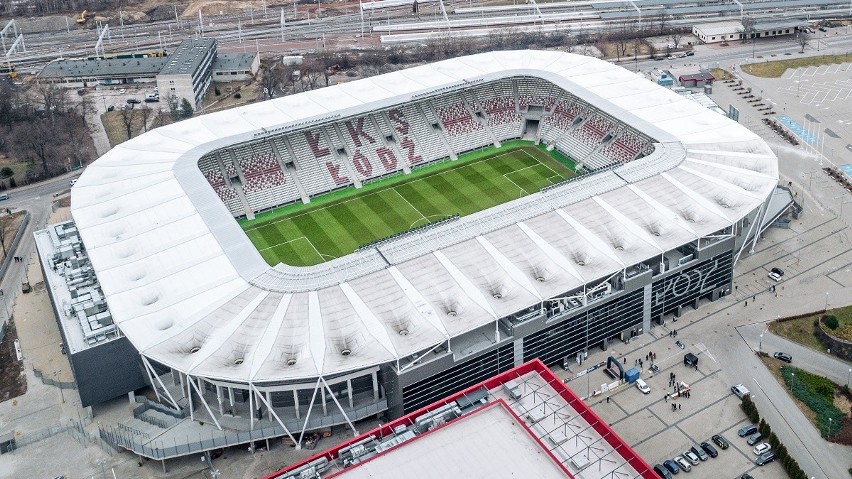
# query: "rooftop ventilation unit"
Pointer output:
{"type": "Point", "coordinates": [291, 362]}
{"type": "Point", "coordinates": [194, 350]}
{"type": "Point", "coordinates": [345, 352]}
{"type": "Point", "coordinates": [403, 332]}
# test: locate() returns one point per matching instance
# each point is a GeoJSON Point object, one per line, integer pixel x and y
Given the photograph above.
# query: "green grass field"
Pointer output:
{"type": "Point", "coordinates": [336, 224]}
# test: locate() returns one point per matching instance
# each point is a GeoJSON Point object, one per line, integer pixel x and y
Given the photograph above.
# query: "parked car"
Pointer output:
{"type": "Point", "coordinates": [689, 53]}
{"type": "Point", "coordinates": [642, 386]}
{"type": "Point", "coordinates": [746, 476]}
{"type": "Point", "coordinates": [122, 91]}
{"type": "Point", "coordinates": [4, 197]}
{"type": "Point", "coordinates": [691, 457]}
{"type": "Point", "coordinates": [683, 463]}
{"type": "Point", "coordinates": [133, 101]}
{"type": "Point", "coordinates": [754, 439]}
{"type": "Point", "coordinates": [765, 458]}
{"type": "Point", "coordinates": [73, 181]}
{"type": "Point", "coordinates": [671, 466]}
{"type": "Point", "coordinates": [776, 274]}
{"type": "Point", "coordinates": [720, 441]}
{"type": "Point", "coordinates": [111, 108]}
{"type": "Point", "coordinates": [823, 29]}
{"type": "Point", "coordinates": [739, 390]}
{"type": "Point", "coordinates": [709, 449]}
{"type": "Point", "coordinates": [698, 451]}
{"type": "Point", "coordinates": [662, 471]}
{"type": "Point", "coordinates": [783, 357]}
{"type": "Point", "coordinates": [761, 448]}
{"type": "Point", "coordinates": [747, 430]}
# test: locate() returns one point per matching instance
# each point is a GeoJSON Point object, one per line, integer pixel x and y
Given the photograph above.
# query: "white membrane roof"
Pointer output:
{"type": "Point", "coordinates": [190, 291]}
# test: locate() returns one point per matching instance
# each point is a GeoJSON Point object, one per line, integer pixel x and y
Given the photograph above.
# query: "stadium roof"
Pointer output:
{"type": "Point", "coordinates": [531, 425]}
{"type": "Point", "coordinates": [189, 290]}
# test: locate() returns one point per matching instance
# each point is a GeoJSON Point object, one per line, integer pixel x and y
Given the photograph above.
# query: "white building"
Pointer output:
{"type": "Point", "coordinates": [188, 72]}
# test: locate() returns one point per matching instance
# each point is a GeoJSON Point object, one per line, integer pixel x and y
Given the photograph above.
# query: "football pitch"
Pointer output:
{"type": "Point", "coordinates": [338, 223]}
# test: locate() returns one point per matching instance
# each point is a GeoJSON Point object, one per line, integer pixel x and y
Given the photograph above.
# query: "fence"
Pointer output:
{"type": "Point", "coordinates": [127, 438]}
{"type": "Point", "coordinates": [72, 427]}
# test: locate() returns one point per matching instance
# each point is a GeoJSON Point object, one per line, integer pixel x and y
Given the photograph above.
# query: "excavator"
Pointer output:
{"type": "Point", "coordinates": [84, 15]}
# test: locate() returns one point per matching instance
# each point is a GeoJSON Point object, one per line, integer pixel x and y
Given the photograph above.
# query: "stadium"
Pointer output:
{"type": "Point", "coordinates": [374, 246]}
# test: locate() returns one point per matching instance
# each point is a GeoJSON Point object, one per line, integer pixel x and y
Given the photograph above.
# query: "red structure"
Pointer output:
{"type": "Point", "coordinates": [599, 425]}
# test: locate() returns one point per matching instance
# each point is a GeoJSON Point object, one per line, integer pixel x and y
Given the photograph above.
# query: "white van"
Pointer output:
{"type": "Point", "coordinates": [739, 390]}
{"type": "Point", "coordinates": [4, 196]}
{"type": "Point", "coordinates": [642, 386]}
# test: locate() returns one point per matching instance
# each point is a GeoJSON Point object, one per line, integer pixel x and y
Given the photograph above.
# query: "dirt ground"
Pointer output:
{"type": "Point", "coordinates": [10, 224]}
{"type": "Point", "coordinates": [13, 382]}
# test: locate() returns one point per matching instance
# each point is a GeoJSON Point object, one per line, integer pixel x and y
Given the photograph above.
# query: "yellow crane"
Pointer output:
{"type": "Point", "coordinates": [82, 18]}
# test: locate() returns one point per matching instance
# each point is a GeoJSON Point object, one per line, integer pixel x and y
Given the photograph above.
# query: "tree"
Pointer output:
{"type": "Point", "coordinates": [186, 108]}
{"type": "Point", "coordinates": [52, 98]}
{"type": "Point", "coordinates": [676, 37]}
{"type": "Point", "coordinates": [748, 27]}
{"type": "Point", "coordinates": [662, 19]}
{"type": "Point", "coordinates": [270, 80]}
{"type": "Point", "coordinates": [40, 141]}
{"type": "Point", "coordinates": [127, 121]}
{"type": "Point", "coordinates": [803, 39]}
{"type": "Point", "coordinates": [145, 112]}
{"type": "Point", "coordinates": [4, 223]}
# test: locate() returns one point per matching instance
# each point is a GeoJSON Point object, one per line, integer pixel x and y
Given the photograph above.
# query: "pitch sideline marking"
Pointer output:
{"type": "Point", "coordinates": [320, 255]}
{"type": "Point", "coordinates": [412, 206]}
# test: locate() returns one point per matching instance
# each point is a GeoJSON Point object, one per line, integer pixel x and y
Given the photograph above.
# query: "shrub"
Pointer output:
{"type": "Point", "coordinates": [216, 91]}
{"type": "Point", "coordinates": [237, 95]}
{"type": "Point", "coordinates": [12, 182]}
{"type": "Point", "coordinates": [763, 428]}
{"type": "Point", "coordinates": [817, 393]}
{"type": "Point", "coordinates": [830, 322]}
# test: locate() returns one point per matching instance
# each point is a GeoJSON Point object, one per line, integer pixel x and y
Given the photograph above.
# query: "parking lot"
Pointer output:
{"type": "Point", "coordinates": [648, 423]}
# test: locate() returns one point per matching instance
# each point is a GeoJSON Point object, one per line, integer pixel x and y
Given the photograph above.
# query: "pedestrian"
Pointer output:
{"type": "Point", "coordinates": [625, 360]}
{"type": "Point", "coordinates": [607, 399]}
{"type": "Point", "coordinates": [736, 287]}
{"type": "Point", "coordinates": [678, 406]}
{"type": "Point", "coordinates": [646, 357]}
{"type": "Point", "coordinates": [696, 367]}
{"type": "Point", "coordinates": [754, 298]}
{"type": "Point", "coordinates": [640, 363]}
{"type": "Point", "coordinates": [665, 398]}
{"type": "Point", "coordinates": [776, 294]}
{"type": "Point", "coordinates": [746, 303]}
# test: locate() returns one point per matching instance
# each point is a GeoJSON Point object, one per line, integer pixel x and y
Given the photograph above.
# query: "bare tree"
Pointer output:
{"type": "Point", "coordinates": [270, 80]}
{"type": "Point", "coordinates": [662, 20]}
{"type": "Point", "coordinates": [5, 222]}
{"type": "Point", "coordinates": [145, 112]}
{"type": "Point", "coordinates": [127, 121]}
{"type": "Point", "coordinates": [748, 29]}
{"type": "Point", "coordinates": [40, 141]}
{"type": "Point", "coordinates": [676, 37]}
{"type": "Point", "coordinates": [803, 39]}
{"type": "Point", "coordinates": [52, 98]}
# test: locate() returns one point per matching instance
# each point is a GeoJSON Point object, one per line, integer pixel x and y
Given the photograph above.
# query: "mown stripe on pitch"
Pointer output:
{"type": "Point", "coordinates": [350, 221]}
{"type": "Point", "coordinates": [312, 230]}
{"type": "Point", "coordinates": [388, 218]}
{"type": "Point", "coordinates": [424, 204]}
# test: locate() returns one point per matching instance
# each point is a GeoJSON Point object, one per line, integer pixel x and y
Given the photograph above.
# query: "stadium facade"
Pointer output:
{"type": "Point", "coordinates": [673, 195]}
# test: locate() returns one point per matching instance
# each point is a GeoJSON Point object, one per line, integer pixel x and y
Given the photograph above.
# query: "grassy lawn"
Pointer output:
{"type": "Point", "coordinates": [721, 74]}
{"type": "Point", "coordinates": [802, 330]}
{"type": "Point", "coordinates": [777, 68]}
{"type": "Point", "coordinates": [337, 224]}
{"type": "Point", "coordinates": [114, 124]}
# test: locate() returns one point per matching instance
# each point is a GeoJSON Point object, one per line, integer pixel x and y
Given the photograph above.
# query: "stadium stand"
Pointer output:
{"type": "Point", "coordinates": [342, 153]}
{"type": "Point", "coordinates": [498, 101]}
{"type": "Point", "coordinates": [369, 154]}
{"type": "Point", "coordinates": [209, 166]}
{"type": "Point", "coordinates": [264, 185]}
{"type": "Point", "coordinates": [463, 131]}
{"type": "Point", "coordinates": [424, 141]}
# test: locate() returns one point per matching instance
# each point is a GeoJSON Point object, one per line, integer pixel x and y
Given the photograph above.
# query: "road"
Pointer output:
{"type": "Point", "coordinates": [804, 358]}
{"type": "Point", "coordinates": [38, 200]}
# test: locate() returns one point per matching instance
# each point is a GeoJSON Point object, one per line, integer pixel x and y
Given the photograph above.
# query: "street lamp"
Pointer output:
{"type": "Point", "coordinates": [829, 427]}
{"type": "Point", "coordinates": [61, 393]}
{"type": "Point", "coordinates": [826, 301]}
{"type": "Point", "coordinates": [848, 377]}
